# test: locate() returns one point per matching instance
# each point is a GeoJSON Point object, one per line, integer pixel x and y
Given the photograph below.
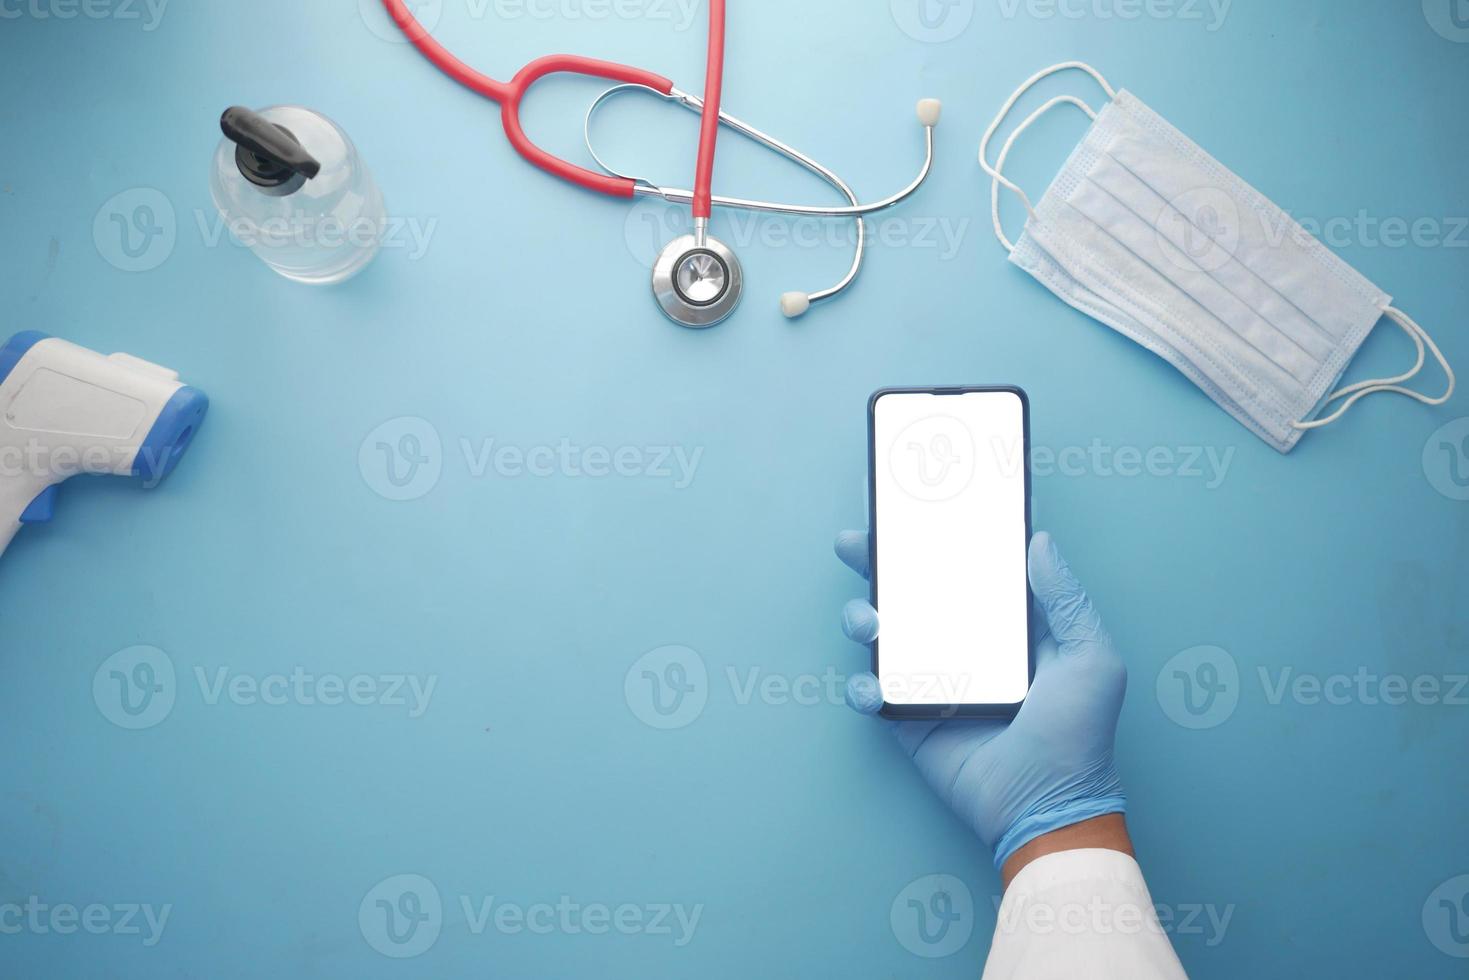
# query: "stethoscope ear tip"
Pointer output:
{"type": "Point", "coordinates": [794, 304]}
{"type": "Point", "coordinates": [929, 111]}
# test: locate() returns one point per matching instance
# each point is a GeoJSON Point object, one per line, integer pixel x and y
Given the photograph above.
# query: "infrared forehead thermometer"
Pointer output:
{"type": "Point", "coordinates": [66, 410]}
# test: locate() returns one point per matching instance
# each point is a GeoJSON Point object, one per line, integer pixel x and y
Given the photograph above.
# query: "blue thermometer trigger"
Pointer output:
{"type": "Point", "coordinates": [43, 508]}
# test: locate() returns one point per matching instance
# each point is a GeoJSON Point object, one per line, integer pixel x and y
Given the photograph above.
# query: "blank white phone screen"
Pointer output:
{"type": "Point", "coordinates": [949, 513]}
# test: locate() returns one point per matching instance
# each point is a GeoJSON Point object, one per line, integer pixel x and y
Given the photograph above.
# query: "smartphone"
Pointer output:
{"type": "Point", "coordinates": [949, 492]}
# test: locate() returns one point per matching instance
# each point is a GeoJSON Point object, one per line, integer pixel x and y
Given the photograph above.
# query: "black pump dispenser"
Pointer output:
{"type": "Point", "coordinates": [269, 156]}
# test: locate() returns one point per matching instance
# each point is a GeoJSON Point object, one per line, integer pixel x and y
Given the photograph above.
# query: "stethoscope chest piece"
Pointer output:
{"type": "Point", "coordinates": [697, 284]}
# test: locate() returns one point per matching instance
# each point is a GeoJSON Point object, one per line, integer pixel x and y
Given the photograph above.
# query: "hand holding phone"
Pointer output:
{"type": "Point", "coordinates": [1052, 766]}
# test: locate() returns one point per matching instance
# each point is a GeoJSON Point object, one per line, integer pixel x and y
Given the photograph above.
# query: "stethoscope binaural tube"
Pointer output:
{"type": "Point", "coordinates": [793, 304]}
{"type": "Point", "coordinates": [709, 118]}
{"type": "Point", "coordinates": [928, 110]}
{"type": "Point", "coordinates": [697, 279]}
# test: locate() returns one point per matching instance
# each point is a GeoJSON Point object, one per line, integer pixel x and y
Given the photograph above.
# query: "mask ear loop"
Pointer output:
{"type": "Point", "coordinates": [998, 179]}
{"type": "Point", "coordinates": [1005, 155]}
{"type": "Point", "coordinates": [1356, 392]}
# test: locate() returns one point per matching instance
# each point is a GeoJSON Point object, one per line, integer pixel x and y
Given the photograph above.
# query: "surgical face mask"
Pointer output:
{"type": "Point", "coordinates": [1147, 233]}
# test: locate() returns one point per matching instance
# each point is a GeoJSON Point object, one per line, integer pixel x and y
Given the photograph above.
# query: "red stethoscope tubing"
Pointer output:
{"type": "Point", "coordinates": [709, 118]}
{"type": "Point", "coordinates": [510, 94]}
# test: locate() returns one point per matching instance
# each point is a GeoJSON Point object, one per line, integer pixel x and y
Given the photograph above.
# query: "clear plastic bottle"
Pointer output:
{"type": "Point", "coordinates": [290, 185]}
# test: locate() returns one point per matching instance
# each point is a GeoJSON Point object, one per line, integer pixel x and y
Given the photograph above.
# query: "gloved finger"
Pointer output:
{"type": "Point", "coordinates": [852, 549]}
{"type": "Point", "coordinates": [1073, 619]}
{"type": "Point", "coordinates": [864, 694]}
{"type": "Point", "coordinates": [859, 621]}
{"type": "Point", "coordinates": [942, 746]}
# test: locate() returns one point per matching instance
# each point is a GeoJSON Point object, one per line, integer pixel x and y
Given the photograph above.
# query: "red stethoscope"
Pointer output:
{"type": "Point", "coordinates": [697, 280]}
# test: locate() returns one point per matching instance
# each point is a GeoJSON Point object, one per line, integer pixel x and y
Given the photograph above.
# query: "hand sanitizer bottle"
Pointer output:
{"type": "Point", "coordinates": [290, 185]}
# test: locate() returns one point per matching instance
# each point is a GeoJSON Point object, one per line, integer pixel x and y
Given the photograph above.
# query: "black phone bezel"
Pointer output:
{"type": "Point", "coordinates": [935, 711]}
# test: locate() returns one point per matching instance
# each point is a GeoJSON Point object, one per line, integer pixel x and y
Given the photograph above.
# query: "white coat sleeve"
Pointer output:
{"type": "Point", "coordinates": [1084, 913]}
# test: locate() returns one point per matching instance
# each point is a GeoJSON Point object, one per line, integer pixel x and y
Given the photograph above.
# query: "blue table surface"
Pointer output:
{"type": "Point", "coordinates": [414, 737]}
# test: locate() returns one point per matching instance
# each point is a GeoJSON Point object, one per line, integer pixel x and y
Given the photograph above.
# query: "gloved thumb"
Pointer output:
{"type": "Point", "coordinates": [864, 693]}
{"type": "Point", "coordinates": [1069, 612]}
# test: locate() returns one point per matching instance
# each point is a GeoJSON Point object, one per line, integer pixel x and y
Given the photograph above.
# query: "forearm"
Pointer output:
{"type": "Point", "coordinates": [1102, 833]}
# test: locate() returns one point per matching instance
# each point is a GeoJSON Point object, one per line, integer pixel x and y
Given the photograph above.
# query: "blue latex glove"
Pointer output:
{"type": "Point", "coordinates": [1052, 766]}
